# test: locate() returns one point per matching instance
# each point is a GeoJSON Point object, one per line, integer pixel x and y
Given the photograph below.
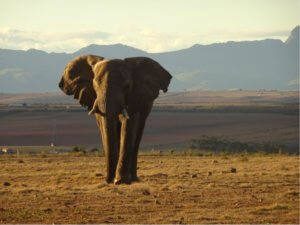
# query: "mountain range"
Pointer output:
{"type": "Point", "coordinates": [251, 65]}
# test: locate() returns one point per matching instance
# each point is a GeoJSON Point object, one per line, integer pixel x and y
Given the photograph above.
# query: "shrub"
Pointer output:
{"type": "Point", "coordinates": [79, 149]}
{"type": "Point", "coordinates": [94, 150]}
{"type": "Point", "coordinates": [219, 145]}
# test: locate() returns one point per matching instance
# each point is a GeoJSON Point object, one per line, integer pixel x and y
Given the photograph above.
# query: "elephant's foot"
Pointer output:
{"type": "Point", "coordinates": [109, 180]}
{"type": "Point", "coordinates": [135, 179]}
{"type": "Point", "coordinates": [123, 180]}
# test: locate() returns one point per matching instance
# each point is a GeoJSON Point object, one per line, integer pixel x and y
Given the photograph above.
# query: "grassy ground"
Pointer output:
{"type": "Point", "coordinates": [173, 189]}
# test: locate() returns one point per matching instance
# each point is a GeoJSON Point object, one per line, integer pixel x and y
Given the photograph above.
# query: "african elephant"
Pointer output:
{"type": "Point", "coordinates": [120, 93]}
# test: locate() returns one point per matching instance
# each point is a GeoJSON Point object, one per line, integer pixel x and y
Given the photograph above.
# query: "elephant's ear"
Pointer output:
{"type": "Point", "coordinates": [78, 77]}
{"type": "Point", "coordinates": [148, 76]}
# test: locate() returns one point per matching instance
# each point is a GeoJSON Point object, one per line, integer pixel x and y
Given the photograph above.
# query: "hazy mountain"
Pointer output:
{"type": "Point", "coordinates": [266, 64]}
{"type": "Point", "coordinates": [110, 51]}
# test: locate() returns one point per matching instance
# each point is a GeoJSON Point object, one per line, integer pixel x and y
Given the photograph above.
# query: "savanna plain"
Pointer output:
{"type": "Point", "coordinates": [173, 189]}
{"type": "Point", "coordinates": [40, 183]}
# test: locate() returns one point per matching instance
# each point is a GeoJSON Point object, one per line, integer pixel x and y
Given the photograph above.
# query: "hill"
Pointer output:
{"type": "Point", "coordinates": [265, 64]}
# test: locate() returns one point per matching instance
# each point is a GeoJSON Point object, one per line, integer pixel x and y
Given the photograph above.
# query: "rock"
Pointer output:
{"type": "Point", "coordinates": [214, 161]}
{"type": "Point", "coordinates": [233, 170]}
{"type": "Point", "coordinates": [6, 184]}
{"type": "Point", "coordinates": [209, 173]}
{"type": "Point", "coordinates": [99, 175]}
{"type": "Point", "coordinates": [47, 210]}
{"type": "Point", "coordinates": [194, 176]}
{"type": "Point", "coordinates": [146, 192]}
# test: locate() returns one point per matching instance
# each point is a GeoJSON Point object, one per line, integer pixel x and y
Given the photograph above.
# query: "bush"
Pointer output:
{"type": "Point", "coordinates": [93, 150]}
{"type": "Point", "coordinates": [218, 145]}
{"type": "Point", "coordinates": [79, 149]}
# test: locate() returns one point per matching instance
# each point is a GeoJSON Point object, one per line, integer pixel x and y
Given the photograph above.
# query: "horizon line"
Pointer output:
{"type": "Point", "coordinates": [197, 44]}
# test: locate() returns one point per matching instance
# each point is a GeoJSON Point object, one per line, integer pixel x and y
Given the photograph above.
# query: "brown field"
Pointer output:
{"type": "Point", "coordinates": [247, 116]}
{"type": "Point", "coordinates": [173, 189]}
{"type": "Point", "coordinates": [164, 129]}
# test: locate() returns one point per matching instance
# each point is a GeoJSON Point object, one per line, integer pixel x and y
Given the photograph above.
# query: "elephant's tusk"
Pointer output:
{"type": "Point", "coordinates": [95, 109]}
{"type": "Point", "coordinates": [92, 111]}
{"type": "Point", "coordinates": [125, 113]}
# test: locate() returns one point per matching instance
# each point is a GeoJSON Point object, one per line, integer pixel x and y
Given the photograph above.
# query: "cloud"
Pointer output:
{"type": "Point", "coordinates": [143, 38]}
{"type": "Point", "coordinates": [49, 41]}
{"type": "Point", "coordinates": [244, 34]}
{"type": "Point", "coordinates": [16, 74]}
{"type": "Point", "coordinates": [293, 82]}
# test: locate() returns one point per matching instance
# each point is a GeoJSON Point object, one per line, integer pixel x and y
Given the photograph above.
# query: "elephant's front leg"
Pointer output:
{"type": "Point", "coordinates": [127, 137]}
{"type": "Point", "coordinates": [109, 135]}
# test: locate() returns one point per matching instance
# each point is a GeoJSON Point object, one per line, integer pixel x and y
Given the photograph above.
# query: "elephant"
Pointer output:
{"type": "Point", "coordinates": [120, 94]}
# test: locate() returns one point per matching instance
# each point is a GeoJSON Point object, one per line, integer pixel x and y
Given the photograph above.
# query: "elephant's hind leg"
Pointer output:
{"type": "Point", "coordinates": [139, 134]}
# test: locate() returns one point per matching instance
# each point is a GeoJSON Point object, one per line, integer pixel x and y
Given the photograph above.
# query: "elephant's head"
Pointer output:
{"type": "Point", "coordinates": [103, 85]}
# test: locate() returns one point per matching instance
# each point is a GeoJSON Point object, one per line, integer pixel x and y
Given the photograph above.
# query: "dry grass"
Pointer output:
{"type": "Point", "coordinates": [173, 189]}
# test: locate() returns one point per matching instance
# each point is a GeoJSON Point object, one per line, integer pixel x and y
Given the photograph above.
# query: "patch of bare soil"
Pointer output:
{"type": "Point", "coordinates": [163, 130]}
{"type": "Point", "coordinates": [173, 189]}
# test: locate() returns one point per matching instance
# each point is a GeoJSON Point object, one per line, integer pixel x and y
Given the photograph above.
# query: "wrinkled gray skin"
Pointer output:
{"type": "Point", "coordinates": [120, 93]}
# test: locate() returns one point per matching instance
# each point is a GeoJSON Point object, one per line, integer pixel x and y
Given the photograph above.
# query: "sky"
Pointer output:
{"type": "Point", "coordinates": [152, 25]}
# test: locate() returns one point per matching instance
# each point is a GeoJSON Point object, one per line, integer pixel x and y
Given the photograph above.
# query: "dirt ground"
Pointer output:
{"type": "Point", "coordinates": [164, 129]}
{"type": "Point", "coordinates": [176, 119]}
{"type": "Point", "coordinates": [173, 189]}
